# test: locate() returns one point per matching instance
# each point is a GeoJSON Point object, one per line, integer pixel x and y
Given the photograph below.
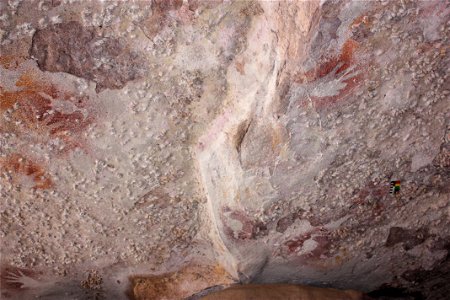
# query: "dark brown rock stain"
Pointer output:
{"type": "Point", "coordinates": [285, 222]}
{"type": "Point", "coordinates": [160, 17]}
{"type": "Point", "coordinates": [408, 237]}
{"type": "Point", "coordinates": [432, 282]}
{"type": "Point", "coordinates": [7, 275]}
{"type": "Point", "coordinates": [83, 52]}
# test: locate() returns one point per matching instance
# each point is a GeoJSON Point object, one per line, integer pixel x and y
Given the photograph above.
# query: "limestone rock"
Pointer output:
{"type": "Point", "coordinates": [261, 136]}
{"type": "Point", "coordinates": [83, 52]}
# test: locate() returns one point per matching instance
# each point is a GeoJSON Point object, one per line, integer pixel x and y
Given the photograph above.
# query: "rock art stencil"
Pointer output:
{"type": "Point", "coordinates": [162, 148]}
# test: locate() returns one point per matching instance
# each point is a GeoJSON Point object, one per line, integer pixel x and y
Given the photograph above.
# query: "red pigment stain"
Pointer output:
{"type": "Point", "coordinates": [185, 14]}
{"type": "Point", "coordinates": [347, 54]}
{"type": "Point", "coordinates": [433, 8]}
{"type": "Point", "coordinates": [345, 58]}
{"type": "Point", "coordinates": [160, 18]}
{"type": "Point", "coordinates": [368, 205]}
{"type": "Point", "coordinates": [8, 273]}
{"type": "Point", "coordinates": [319, 235]}
{"type": "Point", "coordinates": [19, 166]}
{"type": "Point", "coordinates": [11, 61]}
{"type": "Point", "coordinates": [322, 247]}
{"type": "Point", "coordinates": [247, 231]}
{"type": "Point", "coordinates": [342, 62]}
{"type": "Point", "coordinates": [360, 20]}
{"type": "Point", "coordinates": [297, 243]}
{"type": "Point", "coordinates": [328, 101]}
{"type": "Point", "coordinates": [370, 192]}
{"type": "Point", "coordinates": [32, 109]}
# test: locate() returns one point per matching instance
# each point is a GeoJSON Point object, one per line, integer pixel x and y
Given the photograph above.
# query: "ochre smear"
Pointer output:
{"type": "Point", "coordinates": [335, 67]}
{"type": "Point", "coordinates": [34, 109]}
{"type": "Point", "coordinates": [361, 20]}
{"type": "Point", "coordinates": [18, 166]}
{"type": "Point", "coordinates": [297, 243]}
{"type": "Point", "coordinates": [345, 58]}
{"type": "Point", "coordinates": [11, 62]}
{"type": "Point", "coordinates": [246, 232]}
{"type": "Point", "coordinates": [39, 112]}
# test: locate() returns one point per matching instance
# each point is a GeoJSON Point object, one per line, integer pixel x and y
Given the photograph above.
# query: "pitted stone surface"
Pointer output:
{"type": "Point", "coordinates": [258, 138]}
{"type": "Point", "coordinates": [74, 49]}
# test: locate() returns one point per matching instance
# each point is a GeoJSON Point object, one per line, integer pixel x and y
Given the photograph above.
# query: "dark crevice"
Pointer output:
{"type": "Point", "coordinates": [391, 293]}
{"type": "Point", "coordinates": [241, 133]}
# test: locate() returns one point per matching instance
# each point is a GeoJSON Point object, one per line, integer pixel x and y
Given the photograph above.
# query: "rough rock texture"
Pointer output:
{"type": "Point", "coordinates": [139, 139]}
{"type": "Point", "coordinates": [71, 48]}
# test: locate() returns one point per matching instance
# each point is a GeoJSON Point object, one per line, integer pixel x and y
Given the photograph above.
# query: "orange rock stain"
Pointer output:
{"type": "Point", "coordinates": [339, 65]}
{"type": "Point", "coordinates": [38, 111]}
{"type": "Point", "coordinates": [345, 58]}
{"type": "Point", "coordinates": [11, 61]}
{"type": "Point", "coordinates": [31, 109]}
{"type": "Point", "coordinates": [19, 166]}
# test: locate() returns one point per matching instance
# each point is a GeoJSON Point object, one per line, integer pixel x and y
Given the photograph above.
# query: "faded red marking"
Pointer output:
{"type": "Point", "coordinates": [195, 4]}
{"type": "Point", "coordinates": [249, 227]}
{"type": "Point", "coordinates": [364, 19]}
{"type": "Point", "coordinates": [433, 8]}
{"type": "Point", "coordinates": [32, 108]}
{"type": "Point", "coordinates": [345, 60]}
{"type": "Point", "coordinates": [160, 17]}
{"type": "Point", "coordinates": [17, 166]}
{"type": "Point", "coordinates": [352, 83]}
{"type": "Point", "coordinates": [7, 284]}
{"type": "Point", "coordinates": [297, 243]}
{"type": "Point", "coordinates": [347, 52]}
{"type": "Point", "coordinates": [323, 244]}
{"type": "Point", "coordinates": [367, 204]}
{"type": "Point", "coordinates": [345, 57]}
{"type": "Point", "coordinates": [319, 235]}
{"type": "Point", "coordinates": [286, 221]}
{"type": "Point", "coordinates": [11, 61]}
{"type": "Point", "coordinates": [370, 191]}
{"type": "Point", "coordinates": [185, 14]}
{"type": "Point", "coordinates": [240, 67]}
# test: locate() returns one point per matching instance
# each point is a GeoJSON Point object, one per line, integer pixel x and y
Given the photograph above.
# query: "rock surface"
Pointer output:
{"type": "Point", "coordinates": [71, 48]}
{"type": "Point", "coordinates": [140, 139]}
